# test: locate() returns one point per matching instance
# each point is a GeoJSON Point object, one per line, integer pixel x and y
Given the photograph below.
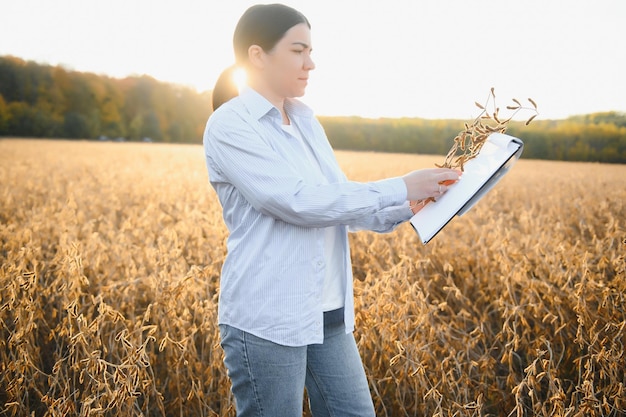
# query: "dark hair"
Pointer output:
{"type": "Point", "coordinates": [263, 25]}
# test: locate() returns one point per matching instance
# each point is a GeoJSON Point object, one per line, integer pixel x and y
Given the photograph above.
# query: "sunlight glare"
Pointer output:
{"type": "Point", "coordinates": [239, 77]}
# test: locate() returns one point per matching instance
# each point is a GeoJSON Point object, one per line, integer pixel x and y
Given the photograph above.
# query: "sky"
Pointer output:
{"type": "Point", "coordinates": [386, 58]}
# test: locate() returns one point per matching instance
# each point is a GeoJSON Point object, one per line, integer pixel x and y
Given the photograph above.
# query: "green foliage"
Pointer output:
{"type": "Point", "coordinates": [406, 135]}
{"type": "Point", "coordinates": [598, 137]}
{"type": "Point", "coordinates": [44, 101]}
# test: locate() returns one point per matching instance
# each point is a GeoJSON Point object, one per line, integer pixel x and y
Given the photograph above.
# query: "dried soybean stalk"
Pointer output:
{"type": "Point", "coordinates": [468, 143]}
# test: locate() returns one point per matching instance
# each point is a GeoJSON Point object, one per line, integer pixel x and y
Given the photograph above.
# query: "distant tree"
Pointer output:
{"type": "Point", "coordinates": [76, 126]}
{"type": "Point", "coordinates": [112, 130]}
{"type": "Point", "coordinates": [175, 132]}
{"type": "Point", "coordinates": [4, 116]}
{"type": "Point", "coordinates": [151, 127]}
{"type": "Point", "coordinates": [25, 120]}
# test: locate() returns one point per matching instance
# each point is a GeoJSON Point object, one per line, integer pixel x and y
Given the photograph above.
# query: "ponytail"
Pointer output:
{"type": "Point", "coordinates": [225, 87]}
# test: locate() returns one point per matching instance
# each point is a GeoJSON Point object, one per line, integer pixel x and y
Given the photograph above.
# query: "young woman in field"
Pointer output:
{"type": "Point", "coordinates": [286, 312]}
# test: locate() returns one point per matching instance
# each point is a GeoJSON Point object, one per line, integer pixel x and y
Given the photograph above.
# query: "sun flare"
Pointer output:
{"type": "Point", "coordinates": [240, 78]}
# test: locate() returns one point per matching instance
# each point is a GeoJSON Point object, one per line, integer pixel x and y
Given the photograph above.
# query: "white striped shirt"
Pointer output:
{"type": "Point", "coordinates": [277, 208]}
{"type": "Point", "coordinates": [334, 292]}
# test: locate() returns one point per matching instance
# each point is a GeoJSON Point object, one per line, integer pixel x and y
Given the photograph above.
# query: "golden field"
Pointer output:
{"type": "Point", "coordinates": [111, 254]}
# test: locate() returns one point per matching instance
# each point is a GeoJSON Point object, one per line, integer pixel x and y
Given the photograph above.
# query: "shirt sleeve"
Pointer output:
{"type": "Point", "coordinates": [238, 154]}
{"type": "Point", "coordinates": [383, 221]}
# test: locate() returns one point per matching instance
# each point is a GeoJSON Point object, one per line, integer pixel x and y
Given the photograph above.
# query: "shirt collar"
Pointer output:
{"type": "Point", "coordinates": [259, 106]}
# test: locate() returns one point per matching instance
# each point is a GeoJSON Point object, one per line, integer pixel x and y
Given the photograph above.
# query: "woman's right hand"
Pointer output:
{"type": "Point", "coordinates": [430, 182]}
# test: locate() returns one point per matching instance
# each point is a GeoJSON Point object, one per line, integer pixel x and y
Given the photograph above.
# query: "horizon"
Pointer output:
{"type": "Point", "coordinates": [69, 69]}
{"type": "Point", "coordinates": [430, 60]}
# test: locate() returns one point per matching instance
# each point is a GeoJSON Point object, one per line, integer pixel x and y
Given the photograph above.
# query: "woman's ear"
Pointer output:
{"type": "Point", "coordinates": [256, 56]}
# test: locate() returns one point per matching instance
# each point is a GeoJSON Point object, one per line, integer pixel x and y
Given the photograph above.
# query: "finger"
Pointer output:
{"type": "Point", "coordinates": [441, 188]}
{"type": "Point", "coordinates": [449, 177]}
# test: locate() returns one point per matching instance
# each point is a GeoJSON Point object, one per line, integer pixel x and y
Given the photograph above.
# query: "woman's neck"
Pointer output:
{"type": "Point", "coordinates": [276, 100]}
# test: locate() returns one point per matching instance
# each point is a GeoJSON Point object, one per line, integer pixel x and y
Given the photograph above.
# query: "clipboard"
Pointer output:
{"type": "Point", "coordinates": [497, 156]}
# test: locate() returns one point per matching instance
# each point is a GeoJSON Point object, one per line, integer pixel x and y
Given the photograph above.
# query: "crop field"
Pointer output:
{"type": "Point", "coordinates": [110, 257]}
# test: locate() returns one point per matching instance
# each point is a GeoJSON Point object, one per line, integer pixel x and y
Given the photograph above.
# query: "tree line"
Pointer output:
{"type": "Point", "coordinates": [46, 101]}
{"type": "Point", "coordinates": [597, 137]}
{"type": "Point", "coordinates": [54, 102]}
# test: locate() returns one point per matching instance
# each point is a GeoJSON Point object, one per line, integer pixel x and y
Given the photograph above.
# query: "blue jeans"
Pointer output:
{"type": "Point", "coordinates": [268, 379]}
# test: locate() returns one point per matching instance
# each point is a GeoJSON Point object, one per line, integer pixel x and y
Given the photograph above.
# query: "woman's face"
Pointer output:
{"type": "Point", "coordinates": [285, 69]}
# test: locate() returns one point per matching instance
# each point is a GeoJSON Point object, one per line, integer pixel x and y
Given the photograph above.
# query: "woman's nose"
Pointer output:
{"type": "Point", "coordinates": [309, 64]}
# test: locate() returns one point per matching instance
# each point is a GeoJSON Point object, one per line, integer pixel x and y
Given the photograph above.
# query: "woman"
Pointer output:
{"type": "Point", "coordinates": [286, 303]}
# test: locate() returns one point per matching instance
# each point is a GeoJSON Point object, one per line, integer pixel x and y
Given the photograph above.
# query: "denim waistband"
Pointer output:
{"type": "Point", "coordinates": [333, 317]}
